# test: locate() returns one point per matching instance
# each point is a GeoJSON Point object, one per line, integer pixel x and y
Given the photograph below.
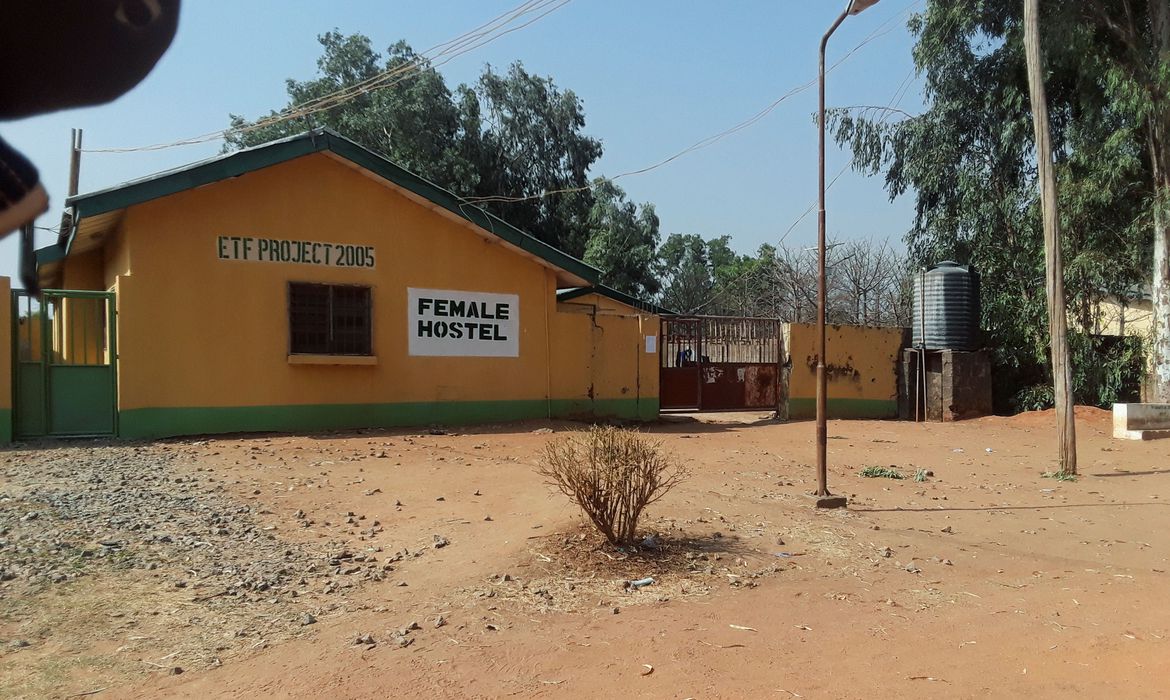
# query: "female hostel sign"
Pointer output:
{"type": "Point", "coordinates": [446, 323]}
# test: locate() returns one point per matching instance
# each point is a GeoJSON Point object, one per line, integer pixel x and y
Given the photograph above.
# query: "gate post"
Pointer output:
{"type": "Point", "coordinates": [7, 360]}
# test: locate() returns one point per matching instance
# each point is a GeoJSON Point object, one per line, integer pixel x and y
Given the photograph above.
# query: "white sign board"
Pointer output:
{"type": "Point", "coordinates": [447, 323]}
{"type": "Point", "coordinates": [651, 343]}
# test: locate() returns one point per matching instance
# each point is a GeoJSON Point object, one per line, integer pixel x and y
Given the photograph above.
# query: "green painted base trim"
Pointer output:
{"type": "Point", "coordinates": [644, 409]}
{"type": "Point", "coordinates": [844, 408]}
{"type": "Point", "coordinates": [5, 426]}
{"type": "Point", "coordinates": [143, 423]}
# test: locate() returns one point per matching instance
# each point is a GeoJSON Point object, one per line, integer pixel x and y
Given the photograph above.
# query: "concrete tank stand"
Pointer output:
{"type": "Point", "coordinates": [1141, 421]}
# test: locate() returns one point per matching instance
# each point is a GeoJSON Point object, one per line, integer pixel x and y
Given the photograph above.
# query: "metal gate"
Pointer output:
{"type": "Point", "coordinates": [64, 364]}
{"type": "Point", "coordinates": [719, 363]}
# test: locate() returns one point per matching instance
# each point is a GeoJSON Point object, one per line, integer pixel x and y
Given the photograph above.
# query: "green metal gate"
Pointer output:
{"type": "Point", "coordinates": [64, 364]}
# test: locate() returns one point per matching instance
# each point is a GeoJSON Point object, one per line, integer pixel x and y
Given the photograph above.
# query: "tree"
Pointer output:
{"type": "Point", "coordinates": [512, 143]}
{"type": "Point", "coordinates": [532, 145]}
{"type": "Point", "coordinates": [1136, 66]}
{"type": "Point", "coordinates": [968, 162]}
{"type": "Point", "coordinates": [685, 274]}
{"type": "Point", "coordinates": [623, 241]}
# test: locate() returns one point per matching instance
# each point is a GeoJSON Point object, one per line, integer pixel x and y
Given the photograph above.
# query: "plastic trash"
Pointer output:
{"type": "Point", "coordinates": [640, 583]}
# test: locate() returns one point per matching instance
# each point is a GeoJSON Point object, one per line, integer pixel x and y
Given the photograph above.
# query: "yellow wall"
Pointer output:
{"type": "Point", "coordinates": [81, 323]}
{"type": "Point", "coordinates": [1135, 319]}
{"type": "Point", "coordinates": [862, 370]}
{"type": "Point", "coordinates": [116, 258]}
{"type": "Point", "coordinates": [599, 355]}
{"type": "Point", "coordinates": [6, 366]}
{"type": "Point", "coordinates": [234, 326]}
{"type": "Point", "coordinates": [84, 271]}
{"type": "Point", "coordinates": [196, 332]}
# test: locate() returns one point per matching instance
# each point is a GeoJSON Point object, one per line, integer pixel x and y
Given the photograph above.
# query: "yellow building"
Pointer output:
{"type": "Point", "coordinates": [1131, 316]}
{"type": "Point", "coordinates": [311, 284]}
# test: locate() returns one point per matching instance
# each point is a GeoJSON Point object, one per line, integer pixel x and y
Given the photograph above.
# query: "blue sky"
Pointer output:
{"type": "Point", "coordinates": [655, 77]}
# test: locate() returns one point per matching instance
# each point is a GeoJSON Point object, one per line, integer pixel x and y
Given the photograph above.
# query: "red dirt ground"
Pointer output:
{"type": "Point", "coordinates": [986, 580]}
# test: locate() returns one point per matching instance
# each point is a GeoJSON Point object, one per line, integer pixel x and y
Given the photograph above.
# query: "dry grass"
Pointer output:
{"type": "Point", "coordinates": [612, 474]}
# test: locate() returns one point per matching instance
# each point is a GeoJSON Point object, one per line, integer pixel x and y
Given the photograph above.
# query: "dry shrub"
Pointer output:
{"type": "Point", "coordinates": [612, 474]}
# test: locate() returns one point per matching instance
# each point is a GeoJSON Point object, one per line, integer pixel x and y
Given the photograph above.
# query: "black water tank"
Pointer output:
{"type": "Point", "coordinates": [946, 308]}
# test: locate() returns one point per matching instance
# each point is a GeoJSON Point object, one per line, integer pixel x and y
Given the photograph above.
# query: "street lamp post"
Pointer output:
{"type": "Point", "coordinates": [824, 499]}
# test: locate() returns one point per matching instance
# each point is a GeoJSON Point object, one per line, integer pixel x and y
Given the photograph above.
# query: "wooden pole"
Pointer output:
{"type": "Point", "coordinates": [1053, 261]}
{"type": "Point", "coordinates": [74, 160]}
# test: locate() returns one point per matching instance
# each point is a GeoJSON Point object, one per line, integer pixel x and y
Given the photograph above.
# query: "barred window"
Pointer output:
{"type": "Point", "coordinates": [328, 319]}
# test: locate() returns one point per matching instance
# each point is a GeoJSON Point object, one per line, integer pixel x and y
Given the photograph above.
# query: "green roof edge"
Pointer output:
{"type": "Point", "coordinates": [610, 292]}
{"type": "Point", "coordinates": [275, 152]}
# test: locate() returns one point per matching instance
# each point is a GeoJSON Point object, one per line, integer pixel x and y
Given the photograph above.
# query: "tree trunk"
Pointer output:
{"type": "Point", "coordinates": [1053, 261]}
{"type": "Point", "coordinates": [1158, 384]}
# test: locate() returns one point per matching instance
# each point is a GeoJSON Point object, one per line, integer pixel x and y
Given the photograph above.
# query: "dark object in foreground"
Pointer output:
{"type": "Point", "coordinates": [58, 54]}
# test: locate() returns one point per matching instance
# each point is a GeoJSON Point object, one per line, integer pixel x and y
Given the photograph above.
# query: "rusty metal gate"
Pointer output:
{"type": "Point", "coordinates": [721, 363]}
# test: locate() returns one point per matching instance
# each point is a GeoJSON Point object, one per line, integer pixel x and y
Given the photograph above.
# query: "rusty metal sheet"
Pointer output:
{"type": "Point", "coordinates": [678, 388]}
{"type": "Point", "coordinates": [760, 386]}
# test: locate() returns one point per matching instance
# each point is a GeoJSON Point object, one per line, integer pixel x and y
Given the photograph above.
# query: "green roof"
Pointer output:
{"type": "Point", "coordinates": [576, 292]}
{"type": "Point", "coordinates": [248, 160]}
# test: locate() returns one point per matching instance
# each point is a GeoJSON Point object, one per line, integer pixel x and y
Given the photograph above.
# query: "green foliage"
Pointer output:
{"type": "Point", "coordinates": [1059, 476]}
{"type": "Point", "coordinates": [686, 272]}
{"type": "Point", "coordinates": [623, 241]}
{"type": "Point", "coordinates": [1107, 370]}
{"type": "Point", "coordinates": [875, 472]}
{"type": "Point", "coordinates": [512, 135]}
{"type": "Point", "coordinates": [920, 475]}
{"type": "Point", "coordinates": [968, 161]}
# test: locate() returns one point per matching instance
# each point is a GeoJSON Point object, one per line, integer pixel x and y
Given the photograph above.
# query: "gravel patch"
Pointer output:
{"type": "Point", "coordinates": [66, 510]}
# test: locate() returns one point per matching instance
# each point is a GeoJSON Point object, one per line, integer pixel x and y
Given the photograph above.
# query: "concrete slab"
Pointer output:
{"type": "Point", "coordinates": [1141, 421]}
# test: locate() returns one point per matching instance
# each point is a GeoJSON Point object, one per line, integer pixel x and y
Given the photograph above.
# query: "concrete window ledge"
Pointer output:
{"type": "Point", "coordinates": [332, 359]}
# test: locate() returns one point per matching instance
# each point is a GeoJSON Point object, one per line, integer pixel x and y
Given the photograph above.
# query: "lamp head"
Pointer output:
{"type": "Point", "coordinates": [858, 6]}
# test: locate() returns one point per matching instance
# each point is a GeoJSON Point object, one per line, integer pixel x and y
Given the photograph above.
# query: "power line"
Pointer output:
{"type": "Point", "coordinates": [887, 111]}
{"type": "Point", "coordinates": [433, 57]}
{"type": "Point", "coordinates": [877, 33]}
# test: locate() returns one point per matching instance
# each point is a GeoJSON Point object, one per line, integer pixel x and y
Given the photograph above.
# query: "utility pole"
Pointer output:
{"type": "Point", "coordinates": [74, 160]}
{"type": "Point", "coordinates": [825, 499]}
{"type": "Point", "coordinates": [1053, 260]}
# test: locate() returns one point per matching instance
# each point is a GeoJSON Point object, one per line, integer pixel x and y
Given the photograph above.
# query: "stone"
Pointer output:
{"type": "Point", "coordinates": [440, 621]}
{"type": "Point", "coordinates": [308, 619]}
{"type": "Point", "coordinates": [440, 542]}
